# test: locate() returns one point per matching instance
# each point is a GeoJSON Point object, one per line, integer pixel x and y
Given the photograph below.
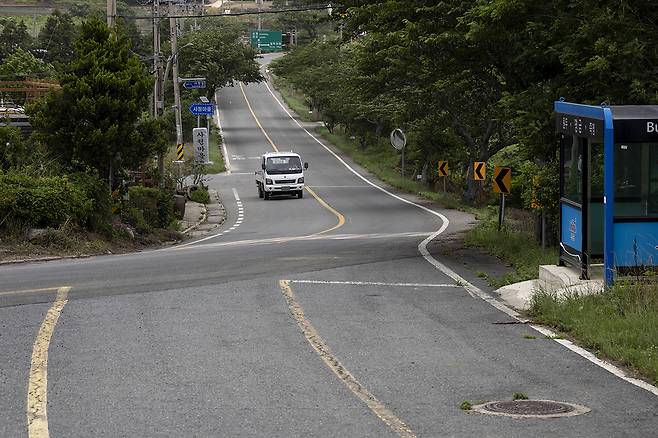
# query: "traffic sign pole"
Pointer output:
{"type": "Point", "coordinates": [501, 211]}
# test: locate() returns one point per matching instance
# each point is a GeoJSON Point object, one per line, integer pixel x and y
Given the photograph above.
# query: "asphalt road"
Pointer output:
{"type": "Point", "coordinates": [310, 318]}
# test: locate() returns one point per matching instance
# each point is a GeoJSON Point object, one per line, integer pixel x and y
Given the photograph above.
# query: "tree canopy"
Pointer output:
{"type": "Point", "coordinates": [217, 53]}
{"type": "Point", "coordinates": [98, 117]}
{"type": "Point", "coordinates": [471, 78]}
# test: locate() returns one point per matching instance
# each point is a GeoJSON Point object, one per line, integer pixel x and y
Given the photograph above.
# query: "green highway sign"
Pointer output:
{"type": "Point", "coordinates": [266, 40]}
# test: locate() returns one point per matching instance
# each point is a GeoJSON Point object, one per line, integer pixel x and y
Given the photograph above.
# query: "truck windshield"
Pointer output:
{"type": "Point", "coordinates": [281, 165]}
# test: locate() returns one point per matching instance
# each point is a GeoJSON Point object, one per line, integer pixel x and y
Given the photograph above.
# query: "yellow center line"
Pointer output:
{"type": "Point", "coordinates": [37, 391]}
{"type": "Point", "coordinates": [340, 217]}
{"type": "Point", "coordinates": [318, 344]}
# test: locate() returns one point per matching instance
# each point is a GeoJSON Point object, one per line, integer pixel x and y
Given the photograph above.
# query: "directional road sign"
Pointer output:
{"type": "Point", "coordinates": [479, 170]}
{"type": "Point", "coordinates": [267, 40]}
{"type": "Point", "coordinates": [194, 84]}
{"type": "Point", "coordinates": [443, 168]}
{"type": "Point", "coordinates": [202, 109]}
{"type": "Point", "coordinates": [502, 181]}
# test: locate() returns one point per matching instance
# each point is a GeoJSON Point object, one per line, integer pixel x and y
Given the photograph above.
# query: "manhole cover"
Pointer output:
{"type": "Point", "coordinates": [531, 409]}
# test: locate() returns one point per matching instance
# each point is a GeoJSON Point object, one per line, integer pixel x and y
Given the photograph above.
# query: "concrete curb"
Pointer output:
{"type": "Point", "coordinates": [47, 259]}
{"type": "Point", "coordinates": [204, 217]}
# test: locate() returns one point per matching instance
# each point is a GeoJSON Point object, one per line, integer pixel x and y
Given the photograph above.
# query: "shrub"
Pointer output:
{"type": "Point", "coordinates": [135, 217]}
{"type": "Point", "coordinates": [42, 202]}
{"type": "Point", "coordinates": [98, 192]}
{"type": "Point", "coordinates": [200, 195]}
{"type": "Point", "coordinates": [156, 206]}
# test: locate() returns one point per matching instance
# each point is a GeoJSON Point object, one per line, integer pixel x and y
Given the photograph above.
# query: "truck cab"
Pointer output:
{"type": "Point", "coordinates": [281, 173]}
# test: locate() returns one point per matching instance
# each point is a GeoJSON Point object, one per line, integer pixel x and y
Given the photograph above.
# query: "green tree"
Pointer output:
{"type": "Point", "coordinates": [98, 117]}
{"type": "Point", "coordinates": [13, 149]}
{"type": "Point", "coordinates": [218, 54]}
{"type": "Point", "coordinates": [57, 38]}
{"type": "Point", "coordinates": [13, 36]}
{"type": "Point", "coordinates": [22, 65]}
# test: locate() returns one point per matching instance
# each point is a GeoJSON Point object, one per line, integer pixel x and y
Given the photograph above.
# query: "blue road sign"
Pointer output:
{"type": "Point", "coordinates": [202, 109]}
{"type": "Point", "coordinates": [196, 84]}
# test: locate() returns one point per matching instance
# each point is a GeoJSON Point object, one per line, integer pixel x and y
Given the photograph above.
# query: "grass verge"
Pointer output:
{"type": "Point", "coordinates": [621, 323]}
{"type": "Point", "coordinates": [514, 247]}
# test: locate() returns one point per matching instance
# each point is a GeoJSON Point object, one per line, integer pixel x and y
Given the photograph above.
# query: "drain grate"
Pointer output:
{"type": "Point", "coordinates": [531, 408]}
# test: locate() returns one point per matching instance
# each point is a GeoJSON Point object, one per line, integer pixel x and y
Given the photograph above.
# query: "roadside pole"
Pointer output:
{"type": "Point", "coordinates": [173, 25]}
{"type": "Point", "coordinates": [501, 211]}
{"type": "Point", "coordinates": [158, 90]}
{"type": "Point", "coordinates": [111, 13]}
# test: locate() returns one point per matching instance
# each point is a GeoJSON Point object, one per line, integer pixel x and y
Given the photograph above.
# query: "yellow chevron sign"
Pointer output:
{"type": "Point", "coordinates": [180, 152]}
{"type": "Point", "coordinates": [443, 168]}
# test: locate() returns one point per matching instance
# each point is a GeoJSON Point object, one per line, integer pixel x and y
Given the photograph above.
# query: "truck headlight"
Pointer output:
{"type": "Point", "coordinates": [268, 181]}
{"type": "Point", "coordinates": [300, 180]}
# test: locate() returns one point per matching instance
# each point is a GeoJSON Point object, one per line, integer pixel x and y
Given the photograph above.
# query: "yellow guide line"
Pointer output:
{"type": "Point", "coordinates": [37, 391]}
{"type": "Point", "coordinates": [318, 344]}
{"type": "Point", "coordinates": [340, 217]}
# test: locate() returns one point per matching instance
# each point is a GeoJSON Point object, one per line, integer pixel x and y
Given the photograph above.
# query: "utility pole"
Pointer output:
{"type": "Point", "coordinates": [259, 3]}
{"type": "Point", "coordinates": [111, 13]}
{"type": "Point", "coordinates": [173, 25]}
{"type": "Point", "coordinates": [158, 89]}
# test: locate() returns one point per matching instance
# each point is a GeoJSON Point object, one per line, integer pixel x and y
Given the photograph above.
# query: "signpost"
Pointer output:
{"type": "Point", "coordinates": [399, 141]}
{"type": "Point", "coordinates": [202, 109]}
{"type": "Point", "coordinates": [502, 183]}
{"type": "Point", "coordinates": [267, 40]}
{"type": "Point", "coordinates": [200, 141]}
{"type": "Point", "coordinates": [194, 84]}
{"type": "Point", "coordinates": [443, 172]}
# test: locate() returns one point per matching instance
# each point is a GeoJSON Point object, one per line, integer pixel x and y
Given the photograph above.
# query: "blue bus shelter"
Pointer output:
{"type": "Point", "coordinates": [608, 187]}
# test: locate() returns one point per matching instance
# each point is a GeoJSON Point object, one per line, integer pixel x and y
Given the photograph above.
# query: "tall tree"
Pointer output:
{"type": "Point", "coordinates": [57, 38]}
{"type": "Point", "coordinates": [217, 53]}
{"type": "Point", "coordinates": [13, 36]}
{"type": "Point", "coordinates": [23, 65]}
{"type": "Point", "coordinates": [98, 117]}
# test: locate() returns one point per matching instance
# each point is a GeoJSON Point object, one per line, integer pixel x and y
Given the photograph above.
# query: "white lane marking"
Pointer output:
{"type": "Point", "coordinates": [472, 289]}
{"type": "Point", "coordinates": [374, 283]}
{"type": "Point", "coordinates": [445, 220]}
{"type": "Point", "coordinates": [236, 224]}
{"type": "Point", "coordinates": [221, 132]}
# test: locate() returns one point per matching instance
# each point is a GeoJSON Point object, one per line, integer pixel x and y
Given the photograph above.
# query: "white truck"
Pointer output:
{"type": "Point", "coordinates": [280, 173]}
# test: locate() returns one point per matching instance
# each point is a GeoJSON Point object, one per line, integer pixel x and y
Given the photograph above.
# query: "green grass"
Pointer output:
{"type": "Point", "coordinates": [293, 99]}
{"type": "Point", "coordinates": [621, 323]}
{"type": "Point", "coordinates": [514, 247]}
{"type": "Point", "coordinates": [218, 165]}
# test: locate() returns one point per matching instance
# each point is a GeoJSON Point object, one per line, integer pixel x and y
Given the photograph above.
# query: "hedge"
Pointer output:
{"type": "Point", "coordinates": [42, 201]}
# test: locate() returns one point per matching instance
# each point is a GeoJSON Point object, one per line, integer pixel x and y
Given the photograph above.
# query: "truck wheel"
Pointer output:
{"type": "Point", "coordinates": [260, 191]}
{"type": "Point", "coordinates": [266, 195]}
{"type": "Point", "coordinates": [300, 194]}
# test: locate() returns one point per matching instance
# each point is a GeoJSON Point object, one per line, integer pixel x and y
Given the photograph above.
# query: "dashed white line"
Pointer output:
{"type": "Point", "coordinates": [235, 193]}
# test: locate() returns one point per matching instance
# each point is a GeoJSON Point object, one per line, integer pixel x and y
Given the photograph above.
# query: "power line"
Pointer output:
{"type": "Point", "coordinates": [235, 14]}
